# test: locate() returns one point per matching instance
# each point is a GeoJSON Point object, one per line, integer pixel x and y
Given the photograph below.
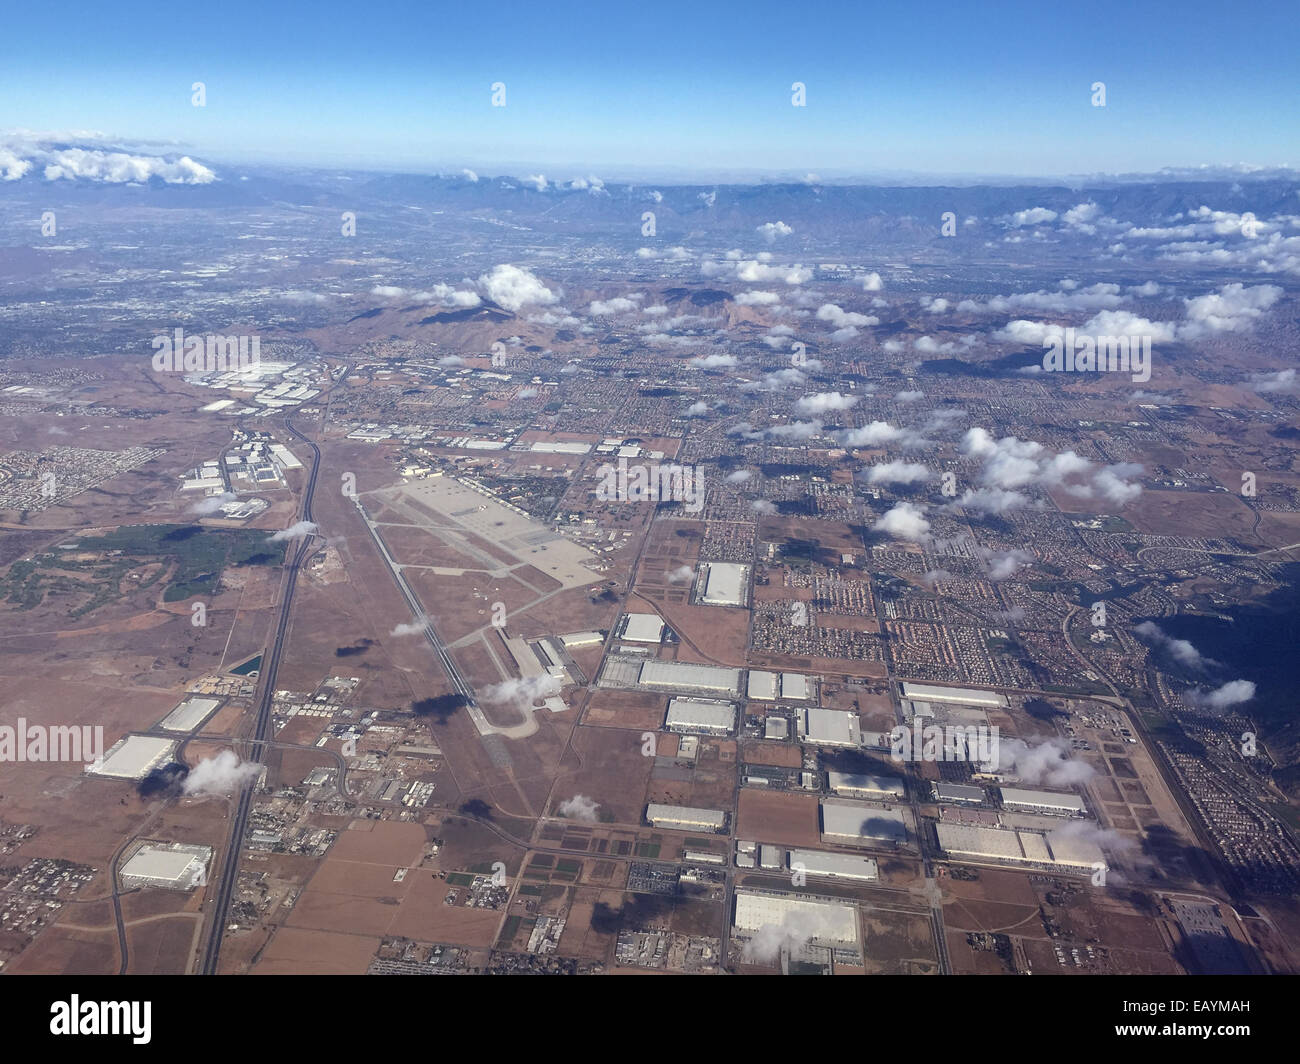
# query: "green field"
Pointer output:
{"type": "Point", "coordinates": [193, 559]}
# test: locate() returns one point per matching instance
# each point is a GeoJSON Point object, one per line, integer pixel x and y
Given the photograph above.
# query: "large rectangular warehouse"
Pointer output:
{"type": "Point", "coordinates": [173, 866]}
{"type": "Point", "coordinates": [685, 818]}
{"type": "Point", "coordinates": [189, 714]}
{"type": "Point", "coordinates": [694, 715]}
{"type": "Point", "coordinates": [832, 925]}
{"type": "Point", "coordinates": [856, 824]}
{"type": "Point", "coordinates": [681, 674]}
{"type": "Point", "coordinates": [725, 584]}
{"type": "Point", "coordinates": [134, 757]}
{"type": "Point", "coordinates": [1058, 849]}
{"type": "Point", "coordinates": [762, 686]}
{"type": "Point", "coordinates": [962, 696]}
{"type": "Point", "coordinates": [832, 865]}
{"type": "Point", "coordinates": [875, 788]}
{"type": "Point", "coordinates": [1043, 802]}
{"type": "Point", "coordinates": [829, 727]}
{"type": "Point", "coordinates": [643, 628]}
{"type": "Point", "coordinates": [959, 792]}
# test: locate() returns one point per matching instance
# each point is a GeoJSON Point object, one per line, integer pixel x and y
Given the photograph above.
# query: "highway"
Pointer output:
{"type": "Point", "coordinates": [228, 876]}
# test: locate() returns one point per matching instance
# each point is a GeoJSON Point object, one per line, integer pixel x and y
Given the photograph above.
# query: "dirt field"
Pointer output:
{"type": "Point", "coordinates": [783, 818]}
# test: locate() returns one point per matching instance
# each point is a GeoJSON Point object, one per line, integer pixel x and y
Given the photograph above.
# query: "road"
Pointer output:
{"type": "Point", "coordinates": [228, 876]}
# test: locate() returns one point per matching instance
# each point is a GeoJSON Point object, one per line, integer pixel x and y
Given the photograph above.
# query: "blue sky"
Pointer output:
{"type": "Point", "coordinates": [929, 87]}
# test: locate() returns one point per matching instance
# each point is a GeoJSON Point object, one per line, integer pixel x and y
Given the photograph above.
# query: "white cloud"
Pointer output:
{"type": "Point", "coordinates": [579, 807]}
{"type": "Point", "coordinates": [220, 775]}
{"type": "Point", "coordinates": [1032, 216]}
{"type": "Point", "coordinates": [522, 692]}
{"type": "Point", "coordinates": [415, 626]}
{"type": "Point", "coordinates": [1232, 693]}
{"type": "Point", "coordinates": [1048, 763]}
{"type": "Point", "coordinates": [825, 402]}
{"type": "Point", "coordinates": [904, 521]}
{"type": "Point", "coordinates": [511, 287]}
{"type": "Point", "coordinates": [617, 305]}
{"type": "Point", "coordinates": [897, 472]}
{"type": "Point", "coordinates": [754, 271]}
{"type": "Point", "coordinates": [86, 156]}
{"type": "Point", "coordinates": [771, 230]}
{"type": "Point", "coordinates": [295, 531]}
{"type": "Point", "coordinates": [1180, 650]}
{"type": "Point", "coordinates": [714, 361]}
{"type": "Point", "coordinates": [836, 316]}
{"type": "Point", "coordinates": [1002, 564]}
{"type": "Point", "coordinates": [1232, 309]}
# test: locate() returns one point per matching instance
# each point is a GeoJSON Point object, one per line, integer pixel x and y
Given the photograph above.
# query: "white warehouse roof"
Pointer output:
{"type": "Point", "coordinates": [831, 924]}
{"type": "Point", "coordinates": [833, 865]}
{"type": "Point", "coordinates": [685, 816]}
{"type": "Point", "coordinates": [762, 686]}
{"type": "Point", "coordinates": [962, 696]}
{"type": "Point", "coordinates": [725, 584]}
{"type": "Point", "coordinates": [684, 674]}
{"type": "Point", "coordinates": [859, 824]}
{"type": "Point", "coordinates": [688, 713]}
{"type": "Point", "coordinates": [830, 727]}
{"type": "Point", "coordinates": [866, 786]}
{"type": "Point", "coordinates": [795, 685]}
{"type": "Point", "coordinates": [643, 628]}
{"type": "Point", "coordinates": [1066, 803]}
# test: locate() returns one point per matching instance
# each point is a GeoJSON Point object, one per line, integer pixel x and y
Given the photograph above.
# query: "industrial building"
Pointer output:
{"type": "Point", "coordinates": [959, 793]}
{"type": "Point", "coordinates": [1059, 850]}
{"type": "Point", "coordinates": [836, 923]}
{"type": "Point", "coordinates": [686, 715]}
{"type": "Point", "coordinates": [189, 714]}
{"type": "Point", "coordinates": [725, 584]}
{"type": "Point", "coordinates": [962, 696]}
{"type": "Point", "coordinates": [873, 788]}
{"type": "Point", "coordinates": [134, 757]}
{"type": "Point", "coordinates": [171, 866]}
{"type": "Point", "coordinates": [642, 628]}
{"type": "Point", "coordinates": [762, 686]}
{"type": "Point", "coordinates": [1043, 802]}
{"type": "Point", "coordinates": [858, 824]}
{"type": "Point", "coordinates": [685, 818]}
{"type": "Point", "coordinates": [684, 675]}
{"type": "Point", "coordinates": [829, 727]}
{"type": "Point", "coordinates": [832, 865]}
{"type": "Point", "coordinates": [796, 686]}
{"type": "Point", "coordinates": [776, 728]}
{"type": "Point", "coordinates": [574, 640]}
